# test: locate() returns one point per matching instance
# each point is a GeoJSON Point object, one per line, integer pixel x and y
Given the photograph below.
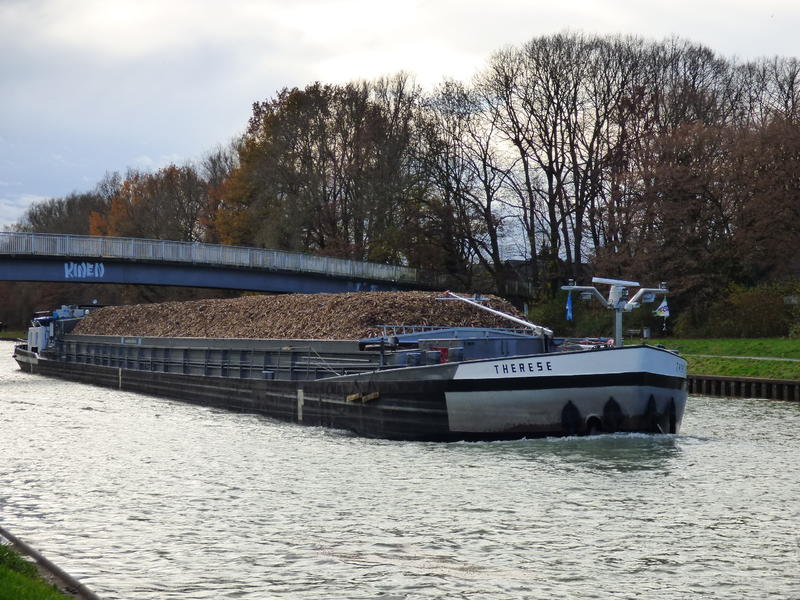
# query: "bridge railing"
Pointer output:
{"type": "Point", "coordinates": [81, 246]}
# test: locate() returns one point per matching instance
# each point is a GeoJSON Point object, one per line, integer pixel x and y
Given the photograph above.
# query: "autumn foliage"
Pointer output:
{"type": "Point", "coordinates": [567, 155]}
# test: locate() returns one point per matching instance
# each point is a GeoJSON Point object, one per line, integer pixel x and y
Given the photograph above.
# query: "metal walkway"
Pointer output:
{"type": "Point", "coordinates": [92, 259]}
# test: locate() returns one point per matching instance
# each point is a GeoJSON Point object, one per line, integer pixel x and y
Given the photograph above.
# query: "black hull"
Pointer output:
{"type": "Point", "coordinates": [407, 409]}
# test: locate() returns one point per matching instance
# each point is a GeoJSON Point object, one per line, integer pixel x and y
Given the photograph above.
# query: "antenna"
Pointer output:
{"type": "Point", "coordinates": [615, 282]}
{"type": "Point", "coordinates": [617, 298]}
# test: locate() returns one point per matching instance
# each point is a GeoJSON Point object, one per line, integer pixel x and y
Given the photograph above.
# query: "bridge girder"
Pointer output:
{"type": "Point", "coordinates": [59, 269]}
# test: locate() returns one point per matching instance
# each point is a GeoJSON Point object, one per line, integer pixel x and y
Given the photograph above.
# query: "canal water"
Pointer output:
{"type": "Point", "coordinates": [143, 498]}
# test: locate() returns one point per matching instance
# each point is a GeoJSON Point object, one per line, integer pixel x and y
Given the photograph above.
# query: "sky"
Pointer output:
{"type": "Point", "coordinates": [95, 86]}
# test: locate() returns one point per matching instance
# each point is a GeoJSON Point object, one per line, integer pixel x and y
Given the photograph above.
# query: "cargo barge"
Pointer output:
{"type": "Point", "coordinates": [410, 383]}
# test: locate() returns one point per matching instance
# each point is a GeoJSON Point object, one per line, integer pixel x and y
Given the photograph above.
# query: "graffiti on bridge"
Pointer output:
{"type": "Point", "coordinates": [84, 270]}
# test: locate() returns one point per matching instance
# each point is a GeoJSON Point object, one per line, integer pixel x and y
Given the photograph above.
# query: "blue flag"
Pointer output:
{"type": "Point", "coordinates": [569, 306]}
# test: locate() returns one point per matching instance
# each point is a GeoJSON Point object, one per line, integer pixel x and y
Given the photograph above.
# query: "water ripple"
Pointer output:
{"type": "Point", "coordinates": [147, 499]}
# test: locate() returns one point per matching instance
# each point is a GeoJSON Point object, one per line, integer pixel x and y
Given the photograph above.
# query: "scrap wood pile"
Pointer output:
{"type": "Point", "coordinates": [294, 316]}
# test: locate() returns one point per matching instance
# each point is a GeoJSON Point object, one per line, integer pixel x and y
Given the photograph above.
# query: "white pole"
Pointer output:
{"type": "Point", "coordinates": [539, 330]}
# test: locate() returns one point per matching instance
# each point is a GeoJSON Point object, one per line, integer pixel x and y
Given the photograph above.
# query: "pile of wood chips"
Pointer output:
{"type": "Point", "coordinates": [293, 316]}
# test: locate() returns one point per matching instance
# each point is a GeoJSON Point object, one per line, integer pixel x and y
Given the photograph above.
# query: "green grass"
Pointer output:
{"type": "Point", "coordinates": [749, 349]}
{"type": "Point", "coordinates": [19, 579]}
{"type": "Point", "coordinates": [772, 347]}
{"type": "Point", "coordinates": [13, 333]}
{"type": "Point", "coordinates": [743, 367]}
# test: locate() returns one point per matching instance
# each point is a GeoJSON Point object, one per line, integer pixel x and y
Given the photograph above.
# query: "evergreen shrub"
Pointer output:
{"type": "Point", "coordinates": [743, 312]}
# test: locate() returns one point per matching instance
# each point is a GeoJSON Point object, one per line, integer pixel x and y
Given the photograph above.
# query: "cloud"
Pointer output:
{"type": "Point", "coordinates": [97, 85]}
{"type": "Point", "coordinates": [149, 163]}
{"type": "Point", "coordinates": [12, 207]}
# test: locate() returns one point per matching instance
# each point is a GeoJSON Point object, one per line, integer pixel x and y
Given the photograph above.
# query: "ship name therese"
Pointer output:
{"type": "Point", "coordinates": [513, 368]}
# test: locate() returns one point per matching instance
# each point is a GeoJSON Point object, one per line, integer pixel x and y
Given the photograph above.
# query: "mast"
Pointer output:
{"type": "Point", "coordinates": [618, 298]}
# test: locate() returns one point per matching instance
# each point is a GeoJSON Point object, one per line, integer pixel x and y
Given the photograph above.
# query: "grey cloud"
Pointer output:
{"type": "Point", "coordinates": [185, 80]}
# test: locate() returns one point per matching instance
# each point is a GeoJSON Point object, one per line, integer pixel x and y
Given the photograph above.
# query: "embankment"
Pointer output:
{"type": "Point", "coordinates": [744, 387]}
{"type": "Point", "coordinates": [28, 585]}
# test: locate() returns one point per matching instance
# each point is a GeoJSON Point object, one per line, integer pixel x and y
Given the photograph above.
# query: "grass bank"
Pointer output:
{"type": "Point", "coordinates": [743, 367]}
{"type": "Point", "coordinates": [769, 347]}
{"type": "Point", "coordinates": [737, 357]}
{"type": "Point", "coordinates": [19, 579]}
{"type": "Point", "coordinates": [13, 334]}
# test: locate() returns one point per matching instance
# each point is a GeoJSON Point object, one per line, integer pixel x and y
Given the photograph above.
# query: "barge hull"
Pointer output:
{"type": "Point", "coordinates": [392, 405]}
{"type": "Point", "coordinates": [401, 411]}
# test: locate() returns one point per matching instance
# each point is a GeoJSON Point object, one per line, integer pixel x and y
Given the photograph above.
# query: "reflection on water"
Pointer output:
{"type": "Point", "coordinates": [144, 498]}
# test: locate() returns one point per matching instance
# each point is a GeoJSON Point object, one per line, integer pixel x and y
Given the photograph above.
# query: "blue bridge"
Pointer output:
{"type": "Point", "coordinates": [91, 259]}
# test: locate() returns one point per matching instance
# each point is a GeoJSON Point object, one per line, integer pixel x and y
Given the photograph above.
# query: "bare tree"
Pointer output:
{"type": "Point", "coordinates": [468, 171]}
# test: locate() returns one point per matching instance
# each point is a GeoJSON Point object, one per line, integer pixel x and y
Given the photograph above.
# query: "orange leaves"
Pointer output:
{"type": "Point", "coordinates": [166, 204]}
{"type": "Point", "coordinates": [98, 224]}
{"type": "Point", "coordinates": [228, 211]}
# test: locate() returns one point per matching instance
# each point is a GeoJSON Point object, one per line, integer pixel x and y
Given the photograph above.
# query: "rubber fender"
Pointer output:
{"type": "Point", "coordinates": [613, 417]}
{"type": "Point", "coordinates": [651, 415]}
{"type": "Point", "coordinates": [571, 421]}
{"type": "Point", "coordinates": [673, 416]}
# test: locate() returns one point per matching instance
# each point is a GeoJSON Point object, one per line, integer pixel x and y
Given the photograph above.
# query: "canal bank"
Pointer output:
{"type": "Point", "coordinates": [773, 377]}
{"type": "Point", "coordinates": [744, 387]}
{"type": "Point", "coordinates": [26, 582]}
